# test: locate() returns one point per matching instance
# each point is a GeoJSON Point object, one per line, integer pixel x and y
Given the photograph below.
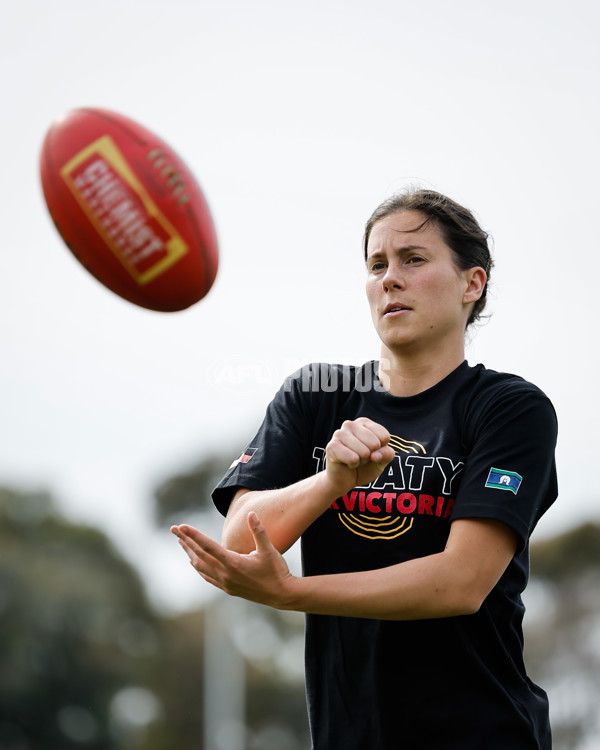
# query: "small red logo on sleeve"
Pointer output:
{"type": "Point", "coordinates": [244, 458]}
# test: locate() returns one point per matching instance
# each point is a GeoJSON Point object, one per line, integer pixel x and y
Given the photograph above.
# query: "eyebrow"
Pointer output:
{"type": "Point", "coordinates": [403, 249]}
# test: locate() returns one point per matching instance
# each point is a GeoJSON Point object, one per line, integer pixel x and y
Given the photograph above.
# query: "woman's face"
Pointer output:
{"type": "Point", "coordinates": [418, 296]}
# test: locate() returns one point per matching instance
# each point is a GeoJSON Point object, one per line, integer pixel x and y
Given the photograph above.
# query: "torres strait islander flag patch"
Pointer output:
{"type": "Point", "coordinates": [500, 479]}
{"type": "Point", "coordinates": [244, 458]}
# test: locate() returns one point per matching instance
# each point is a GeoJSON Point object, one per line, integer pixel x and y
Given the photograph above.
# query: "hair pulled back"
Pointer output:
{"type": "Point", "coordinates": [457, 225]}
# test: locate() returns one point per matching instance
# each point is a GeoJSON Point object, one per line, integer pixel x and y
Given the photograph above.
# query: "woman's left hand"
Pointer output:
{"type": "Point", "coordinates": [261, 576]}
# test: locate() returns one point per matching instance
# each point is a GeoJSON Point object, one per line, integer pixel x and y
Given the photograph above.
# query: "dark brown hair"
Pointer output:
{"type": "Point", "coordinates": [457, 225]}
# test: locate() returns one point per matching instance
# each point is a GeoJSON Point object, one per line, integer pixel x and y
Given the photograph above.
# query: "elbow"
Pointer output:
{"type": "Point", "coordinates": [458, 606]}
{"type": "Point", "coordinates": [226, 535]}
{"type": "Point", "coordinates": [465, 589]}
{"type": "Point", "coordinates": [236, 536]}
{"type": "Point", "coordinates": [226, 539]}
{"type": "Point", "coordinates": [235, 542]}
{"type": "Point", "coordinates": [469, 598]}
{"type": "Point", "coordinates": [471, 606]}
{"type": "Point", "coordinates": [233, 538]}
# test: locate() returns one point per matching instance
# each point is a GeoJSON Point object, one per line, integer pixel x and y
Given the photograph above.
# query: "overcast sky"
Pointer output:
{"type": "Point", "coordinates": [297, 119]}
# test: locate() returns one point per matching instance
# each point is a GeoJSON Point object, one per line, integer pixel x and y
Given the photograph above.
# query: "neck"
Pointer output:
{"type": "Point", "coordinates": [403, 375]}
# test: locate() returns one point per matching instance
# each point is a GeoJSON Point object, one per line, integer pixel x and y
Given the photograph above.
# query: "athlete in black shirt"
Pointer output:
{"type": "Point", "coordinates": [414, 483]}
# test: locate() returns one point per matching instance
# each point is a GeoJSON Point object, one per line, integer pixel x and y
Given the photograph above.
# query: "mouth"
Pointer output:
{"type": "Point", "coordinates": [395, 308]}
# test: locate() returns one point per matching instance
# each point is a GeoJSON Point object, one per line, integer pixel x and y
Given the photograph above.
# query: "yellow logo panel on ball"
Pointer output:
{"type": "Point", "coordinates": [122, 211]}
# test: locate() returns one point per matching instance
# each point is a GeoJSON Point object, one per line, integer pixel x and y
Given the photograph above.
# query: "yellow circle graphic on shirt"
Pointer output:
{"type": "Point", "coordinates": [373, 525]}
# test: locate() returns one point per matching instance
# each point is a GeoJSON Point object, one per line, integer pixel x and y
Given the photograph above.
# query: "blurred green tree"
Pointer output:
{"type": "Point", "coordinates": [78, 640]}
{"type": "Point", "coordinates": [189, 492]}
{"type": "Point", "coordinates": [86, 662]}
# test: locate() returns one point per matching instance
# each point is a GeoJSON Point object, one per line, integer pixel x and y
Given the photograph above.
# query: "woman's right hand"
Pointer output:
{"type": "Point", "coordinates": [357, 454]}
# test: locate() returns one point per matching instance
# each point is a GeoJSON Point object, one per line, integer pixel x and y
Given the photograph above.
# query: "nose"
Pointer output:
{"type": "Point", "coordinates": [393, 278]}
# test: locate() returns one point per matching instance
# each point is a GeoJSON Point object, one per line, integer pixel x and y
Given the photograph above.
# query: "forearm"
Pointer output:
{"type": "Point", "coordinates": [285, 513]}
{"type": "Point", "coordinates": [417, 589]}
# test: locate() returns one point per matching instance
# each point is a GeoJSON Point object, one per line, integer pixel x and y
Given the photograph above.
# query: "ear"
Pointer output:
{"type": "Point", "coordinates": [476, 279]}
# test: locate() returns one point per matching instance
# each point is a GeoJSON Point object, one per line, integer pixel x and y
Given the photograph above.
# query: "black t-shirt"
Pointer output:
{"type": "Point", "coordinates": [479, 444]}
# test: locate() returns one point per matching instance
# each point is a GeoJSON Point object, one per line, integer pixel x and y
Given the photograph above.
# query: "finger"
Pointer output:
{"type": "Point", "coordinates": [210, 569]}
{"type": "Point", "coordinates": [381, 431]}
{"type": "Point", "coordinates": [365, 432]}
{"type": "Point", "coordinates": [262, 542]}
{"type": "Point", "coordinates": [197, 555]}
{"type": "Point", "coordinates": [384, 455]}
{"type": "Point", "coordinates": [341, 454]}
{"type": "Point", "coordinates": [358, 442]}
{"type": "Point", "coordinates": [371, 433]}
{"type": "Point", "coordinates": [201, 543]}
{"type": "Point", "coordinates": [376, 437]}
{"type": "Point", "coordinates": [358, 435]}
{"type": "Point", "coordinates": [205, 566]}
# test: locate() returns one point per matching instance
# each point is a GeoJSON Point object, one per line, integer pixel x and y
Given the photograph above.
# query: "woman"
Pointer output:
{"type": "Point", "coordinates": [414, 483]}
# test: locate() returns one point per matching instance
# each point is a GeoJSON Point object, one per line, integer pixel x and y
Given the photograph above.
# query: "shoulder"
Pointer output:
{"type": "Point", "coordinates": [493, 394]}
{"type": "Point", "coordinates": [492, 384]}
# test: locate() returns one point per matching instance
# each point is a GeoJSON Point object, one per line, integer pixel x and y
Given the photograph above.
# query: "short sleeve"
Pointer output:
{"type": "Point", "coordinates": [510, 471]}
{"type": "Point", "coordinates": [278, 454]}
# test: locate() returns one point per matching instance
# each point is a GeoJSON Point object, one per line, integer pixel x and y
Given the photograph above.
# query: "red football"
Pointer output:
{"type": "Point", "coordinates": [129, 209]}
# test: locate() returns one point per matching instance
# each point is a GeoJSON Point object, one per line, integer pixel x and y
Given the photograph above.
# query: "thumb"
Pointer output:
{"type": "Point", "coordinates": [259, 533]}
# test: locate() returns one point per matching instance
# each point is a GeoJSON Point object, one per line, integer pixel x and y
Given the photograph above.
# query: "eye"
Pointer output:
{"type": "Point", "coordinates": [413, 259]}
{"type": "Point", "coordinates": [376, 266]}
